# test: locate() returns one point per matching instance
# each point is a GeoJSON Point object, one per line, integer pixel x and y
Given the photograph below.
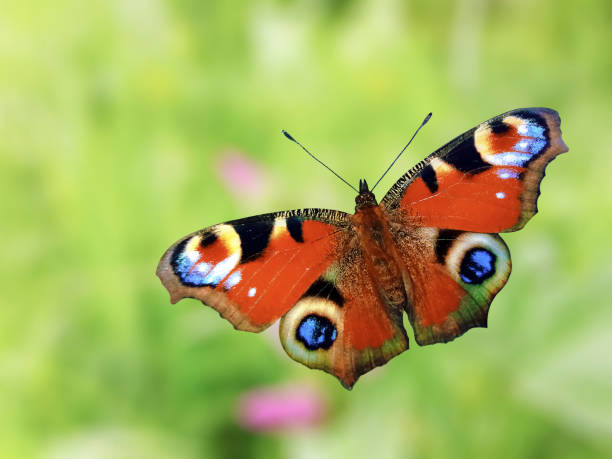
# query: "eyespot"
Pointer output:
{"type": "Point", "coordinates": [311, 332]}
{"type": "Point", "coordinates": [480, 262]}
{"type": "Point", "coordinates": [478, 265]}
{"type": "Point", "coordinates": [316, 332]}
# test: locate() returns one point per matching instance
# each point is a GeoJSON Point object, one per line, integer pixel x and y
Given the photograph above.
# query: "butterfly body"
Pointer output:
{"type": "Point", "coordinates": [372, 231]}
{"type": "Point", "coordinates": [340, 283]}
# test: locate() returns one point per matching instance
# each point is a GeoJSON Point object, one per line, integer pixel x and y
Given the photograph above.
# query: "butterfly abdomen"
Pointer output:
{"type": "Point", "coordinates": [378, 248]}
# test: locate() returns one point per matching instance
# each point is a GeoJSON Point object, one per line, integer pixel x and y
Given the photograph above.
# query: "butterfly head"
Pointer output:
{"type": "Point", "coordinates": [365, 198]}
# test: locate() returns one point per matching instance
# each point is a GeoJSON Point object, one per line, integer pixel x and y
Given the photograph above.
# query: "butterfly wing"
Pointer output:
{"type": "Point", "coordinates": [486, 180]}
{"type": "Point", "coordinates": [444, 210]}
{"type": "Point", "coordinates": [305, 266]}
{"type": "Point", "coordinates": [341, 325]}
{"type": "Point", "coordinates": [254, 269]}
{"type": "Point", "coordinates": [452, 277]}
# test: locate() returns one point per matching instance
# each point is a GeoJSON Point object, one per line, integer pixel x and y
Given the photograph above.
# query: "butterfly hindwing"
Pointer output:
{"type": "Point", "coordinates": [341, 325]}
{"type": "Point", "coordinates": [453, 277]}
{"type": "Point", "coordinates": [487, 179]}
{"type": "Point", "coordinates": [254, 269]}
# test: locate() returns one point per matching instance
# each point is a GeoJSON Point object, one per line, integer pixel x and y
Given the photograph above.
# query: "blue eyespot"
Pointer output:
{"type": "Point", "coordinates": [316, 332]}
{"type": "Point", "coordinates": [477, 266]}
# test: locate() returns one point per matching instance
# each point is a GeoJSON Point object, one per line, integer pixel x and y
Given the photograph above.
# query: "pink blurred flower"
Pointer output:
{"type": "Point", "coordinates": [242, 176]}
{"type": "Point", "coordinates": [281, 408]}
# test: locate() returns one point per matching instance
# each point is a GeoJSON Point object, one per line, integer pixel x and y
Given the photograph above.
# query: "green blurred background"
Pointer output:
{"type": "Point", "coordinates": [114, 118]}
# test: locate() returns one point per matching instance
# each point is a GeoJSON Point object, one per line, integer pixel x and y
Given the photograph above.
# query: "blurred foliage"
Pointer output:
{"type": "Point", "coordinates": [112, 117]}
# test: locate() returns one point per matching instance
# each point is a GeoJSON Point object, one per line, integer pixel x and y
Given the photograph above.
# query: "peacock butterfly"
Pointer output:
{"type": "Point", "coordinates": [340, 283]}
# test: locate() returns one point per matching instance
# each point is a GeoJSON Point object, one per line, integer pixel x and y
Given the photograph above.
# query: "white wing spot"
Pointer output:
{"type": "Point", "coordinates": [509, 158]}
{"type": "Point", "coordinates": [507, 173]}
{"type": "Point", "coordinates": [222, 269]}
{"type": "Point", "coordinates": [192, 255]}
{"type": "Point", "coordinates": [523, 145]}
{"type": "Point", "coordinates": [252, 292]}
{"type": "Point", "coordinates": [232, 280]}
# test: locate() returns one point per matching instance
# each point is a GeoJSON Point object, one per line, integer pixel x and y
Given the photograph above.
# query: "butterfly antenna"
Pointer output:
{"type": "Point", "coordinates": [400, 153]}
{"type": "Point", "coordinates": [290, 137]}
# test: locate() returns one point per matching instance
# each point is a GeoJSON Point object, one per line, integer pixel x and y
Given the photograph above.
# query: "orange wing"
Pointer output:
{"type": "Point", "coordinates": [254, 269]}
{"type": "Point", "coordinates": [341, 325]}
{"type": "Point", "coordinates": [486, 180]}
{"type": "Point", "coordinates": [452, 277]}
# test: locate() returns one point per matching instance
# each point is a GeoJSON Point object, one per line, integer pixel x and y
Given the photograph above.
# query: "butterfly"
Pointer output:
{"type": "Point", "coordinates": [340, 283]}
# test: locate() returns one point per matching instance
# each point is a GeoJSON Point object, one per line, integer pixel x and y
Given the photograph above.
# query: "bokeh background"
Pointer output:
{"type": "Point", "coordinates": [125, 125]}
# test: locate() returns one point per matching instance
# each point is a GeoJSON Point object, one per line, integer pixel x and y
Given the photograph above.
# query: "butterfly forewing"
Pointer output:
{"type": "Point", "coordinates": [253, 270]}
{"type": "Point", "coordinates": [486, 180]}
